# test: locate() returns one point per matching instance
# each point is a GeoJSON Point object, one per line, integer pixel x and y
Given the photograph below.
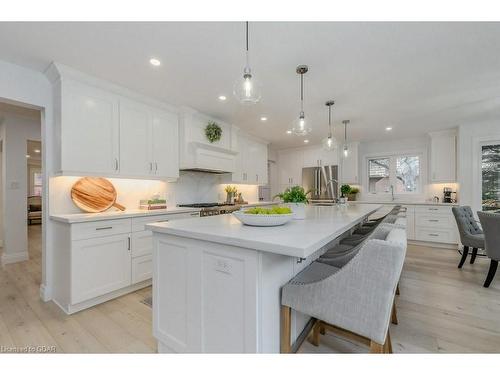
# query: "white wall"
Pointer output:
{"type": "Point", "coordinates": [469, 174]}
{"type": "Point", "coordinates": [17, 131]}
{"type": "Point", "coordinates": [19, 85]}
{"type": "Point", "coordinates": [1, 180]}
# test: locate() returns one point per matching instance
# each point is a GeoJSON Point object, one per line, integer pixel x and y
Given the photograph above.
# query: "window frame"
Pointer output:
{"type": "Point", "coordinates": [392, 172]}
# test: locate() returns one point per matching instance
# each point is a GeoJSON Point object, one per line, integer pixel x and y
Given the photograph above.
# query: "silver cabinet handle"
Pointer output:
{"type": "Point", "coordinates": [150, 167]}
{"type": "Point", "coordinates": [433, 235]}
{"type": "Point", "coordinates": [432, 209]}
{"type": "Point", "coordinates": [103, 228]}
{"type": "Point", "coordinates": [156, 166]}
{"type": "Point", "coordinates": [433, 220]}
{"type": "Point", "coordinates": [116, 164]}
{"type": "Point", "coordinates": [129, 244]}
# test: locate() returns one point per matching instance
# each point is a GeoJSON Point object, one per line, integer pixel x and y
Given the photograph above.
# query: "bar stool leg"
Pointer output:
{"type": "Point", "coordinates": [394, 316]}
{"type": "Point", "coordinates": [397, 289]}
{"type": "Point", "coordinates": [315, 333]}
{"type": "Point", "coordinates": [286, 322]}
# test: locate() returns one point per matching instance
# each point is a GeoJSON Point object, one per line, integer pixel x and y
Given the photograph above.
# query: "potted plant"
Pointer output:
{"type": "Point", "coordinates": [352, 194]}
{"type": "Point", "coordinates": [230, 193]}
{"type": "Point", "coordinates": [344, 191]}
{"type": "Point", "coordinates": [295, 197]}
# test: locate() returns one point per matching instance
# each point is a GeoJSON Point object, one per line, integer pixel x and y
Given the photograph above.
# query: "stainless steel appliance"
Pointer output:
{"type": "Point", "coordinates": [322, 181]}
{"type": "Point", "coordinates": [211, 209]}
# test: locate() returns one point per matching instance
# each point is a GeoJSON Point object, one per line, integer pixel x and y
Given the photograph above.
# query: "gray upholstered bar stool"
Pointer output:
{"type": "Point", "coordinates": [354, 300]}
{"type": "Point", "coordinates": [471, 234]}
{"type": "Point", "coordinates": [491, 227]}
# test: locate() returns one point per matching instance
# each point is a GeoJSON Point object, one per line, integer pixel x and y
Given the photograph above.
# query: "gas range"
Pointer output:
{"type": "Point", "coordinates": [212, 209]}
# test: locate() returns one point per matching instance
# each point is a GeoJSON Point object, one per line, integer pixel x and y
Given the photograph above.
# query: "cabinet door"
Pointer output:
{"type": "Point", "coordinates": [350, 173]}
{"type": "Point", "coordinates": [443, 159]}
{"type": "Point", "coordinates": [99, 266]}
{"type": "Point", "coordinates": [310, 157]}
{"type": "Point", "coordinates": [261, 163]}
{"type": "Point", "coordinates": [290, 168]}
{"type": "Point", "coordinates": [89, 130]}
{"type": "Point", "coordinates": [135, 139]}
{"type": "Point", "coordinates": [166, 144]}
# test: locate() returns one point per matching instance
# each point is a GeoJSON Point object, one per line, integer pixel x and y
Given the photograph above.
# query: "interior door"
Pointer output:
{"type": "Point", "coordinates": [165, 144]}
{"type": "Point", "coordinates": [135, 139]}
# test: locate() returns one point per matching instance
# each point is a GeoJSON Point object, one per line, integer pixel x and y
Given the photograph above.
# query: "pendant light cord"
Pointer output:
{"type": "Point", "coordinates": [247, 67]}
{"type": "Point", "coordinates": [330, 121]}
{"type": "Point", "coordinates": [345, 131]}
{"type": "Point", "coordinates": [301, 92]}
{"type": "Point", "coordinates": [247, 34]}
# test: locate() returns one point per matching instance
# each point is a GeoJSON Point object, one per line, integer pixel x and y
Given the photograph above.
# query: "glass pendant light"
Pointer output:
{"type": "Point", "coordinates": [329, 143]}
{"type": "Point", "coordinates": [247, 89]}
{"type": "Point", "coordinates": [300, 125]}
{"type": "Point", "coordinates": [346, 149]}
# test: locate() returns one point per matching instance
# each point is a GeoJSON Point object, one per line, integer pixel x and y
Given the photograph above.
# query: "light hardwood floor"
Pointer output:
{"type": "Point", "coordinates": [441, 309]}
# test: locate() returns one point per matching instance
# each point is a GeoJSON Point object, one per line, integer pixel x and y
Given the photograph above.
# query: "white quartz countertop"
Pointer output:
{"type": "Point", "coordinates": [407, 202]}
{"type": "Point", "coordinates": [110, 215]}
{"type": "Point", "coordinates": [297, 238]}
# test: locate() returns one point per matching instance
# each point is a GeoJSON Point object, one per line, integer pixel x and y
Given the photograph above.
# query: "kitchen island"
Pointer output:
{"type": "Point", "coordinates": [216, 282]}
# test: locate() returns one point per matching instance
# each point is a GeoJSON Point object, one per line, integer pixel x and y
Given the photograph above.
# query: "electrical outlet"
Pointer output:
{"type": "Point", "coordinates": [222, 265]}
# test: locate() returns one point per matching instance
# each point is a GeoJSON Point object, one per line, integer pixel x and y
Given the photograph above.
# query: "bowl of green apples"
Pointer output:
{"type": "Point", "coordinates": [264, 216]}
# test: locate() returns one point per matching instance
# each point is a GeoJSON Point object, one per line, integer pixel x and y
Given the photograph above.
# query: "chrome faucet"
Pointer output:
{"type": "Point", "coordinates": [328, 184]}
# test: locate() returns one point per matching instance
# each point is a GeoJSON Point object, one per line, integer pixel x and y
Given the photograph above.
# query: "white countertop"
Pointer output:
{"type": "Point", "coordinates": [407, 202]}
{"type": "Point", "coordinates": [110, 215]}
{"type": "Point", "coordinates": [115, 214]}
{"type": "Point", "coordinates": [298, 238]}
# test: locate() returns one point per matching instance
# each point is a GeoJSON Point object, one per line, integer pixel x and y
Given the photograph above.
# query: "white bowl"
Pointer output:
{"type": "Point", "coordinates": [259, 220]}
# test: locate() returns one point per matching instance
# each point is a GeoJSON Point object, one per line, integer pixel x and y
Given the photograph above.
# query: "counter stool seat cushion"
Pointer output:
{"type": "Point", "coordinates": [340, 255]}
{"type": "Point", "coordinates": [354, 239]}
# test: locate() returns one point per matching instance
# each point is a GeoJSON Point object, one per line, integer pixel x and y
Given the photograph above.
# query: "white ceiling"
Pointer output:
{"type": "Point", "coordinates": [415, 77]}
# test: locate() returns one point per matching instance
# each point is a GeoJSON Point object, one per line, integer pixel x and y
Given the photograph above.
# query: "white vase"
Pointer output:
{"type": "Point", "coordinates": [342, 200]}
{"type": "Point", "coordinates": [298, 209]}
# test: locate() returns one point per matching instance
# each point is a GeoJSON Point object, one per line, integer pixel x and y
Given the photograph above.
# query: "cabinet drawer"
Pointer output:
{"type": "Point", "coordinates": [434, 221]}
{"type": "Point", "coordinates": [102, 228]}
{"type": "Point", "coordinates": [142, 268]}
{"type": "Point", "coordinates": [142, 243]}
{"type": "Point", "coordinates": [438, 235]}
{"type": "Point", "coordinates": [443, 210]}
{"type": "Point", "coordinates": [139, 224]}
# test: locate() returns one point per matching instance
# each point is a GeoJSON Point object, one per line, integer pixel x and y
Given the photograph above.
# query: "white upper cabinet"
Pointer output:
{"type": "Point", "coordinates": [89, 129]}
{"type": "Point", "coordinates": [165, 144]}
{"type": "Point", "coordinates": [106, 130]}
{"type": "Point", "coordinates": [316, 156]}
{"type": "Point", "coordinates": [251, 161]}
{"type": "Point", "coordinates": [290, 167]}
{"type": "Point", "coordinates": [136, 157]}
{"type": "Point", "coordinates": [443, 156]}
{"type": "Point", "coordinates": [349, 165]}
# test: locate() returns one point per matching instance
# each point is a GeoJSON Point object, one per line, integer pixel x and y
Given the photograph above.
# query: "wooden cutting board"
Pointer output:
{"type": "Point", "coordinates": [94, 194]}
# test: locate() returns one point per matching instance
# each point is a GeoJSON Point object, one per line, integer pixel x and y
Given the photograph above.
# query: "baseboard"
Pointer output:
{"type": "Point", "coordinates": [45, 293]}
{"type": "Point", "coordinates": [14, 258]}
{"type": "Point", "coordinates": [71, 309]}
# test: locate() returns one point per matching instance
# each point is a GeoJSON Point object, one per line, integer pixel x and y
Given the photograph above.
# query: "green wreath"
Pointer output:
{"type": "Point", "coordinates": [213, 132]}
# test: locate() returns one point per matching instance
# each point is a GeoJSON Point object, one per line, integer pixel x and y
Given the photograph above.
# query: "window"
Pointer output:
{"type": "Point", "coordinates": [490, 173]}
{"type": "Point", "coordinates": [36, 181]}
{"type": "Point", "coordinates": [401, 173]}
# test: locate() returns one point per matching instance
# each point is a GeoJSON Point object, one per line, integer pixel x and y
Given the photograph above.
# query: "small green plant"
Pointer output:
{"type": "Point", "coordinates": [231, 189]}
{"type": "Point", "coordinates": [213, 132]}
{"type": "Point", "coordinates": [354, 190]}
{"type": "Point", "coordinates": [294, 194]}
{"type": "Point", "coordinates": [345, 190]}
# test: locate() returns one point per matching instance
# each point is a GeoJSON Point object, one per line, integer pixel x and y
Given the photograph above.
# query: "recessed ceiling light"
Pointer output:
{"type": "Point", "coordinates": [263, 118]}
{"type": "Point", "coordinates": [36, 151]}
{"type": "Point", "coordinates": [154, 62]}
{"type": "Point", "coordinates": [222, 98]}
{"type": "Point", "coordinates": [388, 128]}
{"type": "Point", "coordinates": [288, 132]}
{"type": "Point", "coordinates": [306, 140]}
{"type": "Point", "coordinates": [28, 156]}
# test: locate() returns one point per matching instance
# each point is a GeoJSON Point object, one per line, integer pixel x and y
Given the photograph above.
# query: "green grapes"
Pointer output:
{"type": "Point", "coordinates": [277, 210]}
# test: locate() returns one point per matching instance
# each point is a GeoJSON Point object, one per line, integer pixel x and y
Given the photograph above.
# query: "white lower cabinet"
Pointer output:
{"type": "Point", "coordinates": [101, 260]}
{"type": "Point", "coordinates": [99, 266]}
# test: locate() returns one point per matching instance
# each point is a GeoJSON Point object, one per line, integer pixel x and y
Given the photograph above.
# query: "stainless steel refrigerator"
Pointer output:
{"type": "Point", "coordinates": [322, 181]}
